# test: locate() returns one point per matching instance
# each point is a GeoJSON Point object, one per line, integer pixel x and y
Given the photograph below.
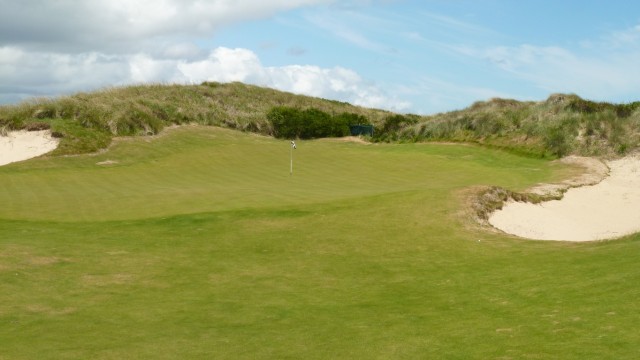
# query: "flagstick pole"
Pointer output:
{"type": "Point", "coordinates": [291, 151]}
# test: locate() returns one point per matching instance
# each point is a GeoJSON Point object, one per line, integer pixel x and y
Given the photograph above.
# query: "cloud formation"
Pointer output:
{"type": "Point", "coordinates": [119, 42]}
{"type": "Point", "coordinates": [122, 26]}
{"type": "Point", "coordinates": [438, 60]}
{"type": "Point", "coordinates": [603, 68]}
{"type": "Point", "coordinates": [556, 69]}
{"type": "Point", "coordinates": [53, 73]}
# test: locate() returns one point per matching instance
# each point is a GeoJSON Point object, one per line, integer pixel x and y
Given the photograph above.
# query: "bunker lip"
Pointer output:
{"type": "Point", "coordinates": [608, 209]}
{"type": "Point", "coordinates": [23, 145]}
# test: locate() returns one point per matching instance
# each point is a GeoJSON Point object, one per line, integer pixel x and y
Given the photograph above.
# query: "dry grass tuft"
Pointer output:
{"type": "Point", "coordinates": [560, 126]}
{"type": "Point", "coordinates": [86, 122]}
{"type": "Point", "coordinates": [106, 280]}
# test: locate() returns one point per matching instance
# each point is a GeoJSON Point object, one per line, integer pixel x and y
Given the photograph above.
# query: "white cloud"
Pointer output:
{"type": "Point", "coordinates": [336, 83]}
{"type": "Point", "coordinates": [347, 34]}
{"type": "Point", "coordinates": [118, 42]}
{"type": "Point", "coordinates": [601, 70]}
{"type": "Point", "coordinates": [455, 25]}
{"type": "Point", "coordinates": [53, 73]}
{"type": "Point", "coordinates": [628, 38]}
{"type": "Point", "coordinates": [144, 69]}
{"type": "Point", "coordinates": [597, 74]}
{"type": "Point", "coordinates": [354, 28]}
{"type": "Point", "coordinates": [124, 25]}
{"type": "Point", "coordinates": [226, 65]}
{"type": "Point", "coordinates": [50, 73]}
{"type": "Point", "coordinates": [182, 50]}
{"type": "Point", "coordinates": [444, 95]}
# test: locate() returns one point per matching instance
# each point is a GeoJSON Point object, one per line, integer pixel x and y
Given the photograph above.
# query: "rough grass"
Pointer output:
{"type": "Point", "coordinates": [198, 244]}
{"type": "Point", "coordinates": [88, 121]}
{"type": "Point", "coordinates": [561, 125]}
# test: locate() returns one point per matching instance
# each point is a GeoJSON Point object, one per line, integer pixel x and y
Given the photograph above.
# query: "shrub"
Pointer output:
{"type": "Point", "coordinates": [314, 124]}
{"type": "Point", "coordinates": [393, 123]}
{"type": "Point", "coordinates": [288, 122]}
{"type": "Point", "coordinates": [556, 141]}
{"type": "Point", "coordinates": [351, 119]}
{"type": "Point", "coordinates": [590, 107]}
{"type": "Point", "coordinates": [38, 125]}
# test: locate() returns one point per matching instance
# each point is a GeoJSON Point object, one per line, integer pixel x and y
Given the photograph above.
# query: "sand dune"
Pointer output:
{"type": "Point", "coordinates": [23, 145]}
{"type": "Point", "coordinates": [609, 209]}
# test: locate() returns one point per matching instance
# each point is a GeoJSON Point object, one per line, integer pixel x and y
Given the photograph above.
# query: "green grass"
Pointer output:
{"type": "Point", "coordinates": [87, 121]}
{"type": "Point", "coordinates": [198, 244]}
{"type": "Point", "coordinates": [560, 126]}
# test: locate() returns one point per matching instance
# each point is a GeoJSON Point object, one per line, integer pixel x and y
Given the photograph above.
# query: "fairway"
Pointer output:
{"type": "Point", "coordinates": [198, 243]}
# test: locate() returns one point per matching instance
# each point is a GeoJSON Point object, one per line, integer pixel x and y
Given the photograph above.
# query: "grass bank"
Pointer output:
{"type": "Point", "coordinates": [561, 125]}
{"type": "Point", "coordinates": [88, 121]}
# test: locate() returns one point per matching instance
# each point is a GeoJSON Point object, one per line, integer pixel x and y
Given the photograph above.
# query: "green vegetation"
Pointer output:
{"type": "Point", "coordinates": [198, 244]}
{"type": "Point", "coordinates": [292, 123]}
{"type": "Point", "coordinates": [88, 121]}
{"type": "Point", "coordinates": [392, 124]}
{"type": "Point", "coordinates": [561, 125]}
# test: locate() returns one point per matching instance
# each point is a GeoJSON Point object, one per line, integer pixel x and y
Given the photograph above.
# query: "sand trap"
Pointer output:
{"type": "Point", "coordinates": [606, 210]}
{"type": "Point", "coordinates": [23, 145]}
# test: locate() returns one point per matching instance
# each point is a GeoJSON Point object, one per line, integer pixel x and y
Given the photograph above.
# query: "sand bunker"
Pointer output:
{"type": "Point", "coordinates": [23, 145]}
{"type": "Point", "coordinates": [606, 210]}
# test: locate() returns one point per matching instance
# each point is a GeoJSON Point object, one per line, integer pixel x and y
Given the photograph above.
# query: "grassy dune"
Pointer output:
{"type": "Point", "coordinates": [561, 125]}
{"type": "Point", "coordinates": [87, 121]}
{"type": "Point", "coordinates": [198, 244]}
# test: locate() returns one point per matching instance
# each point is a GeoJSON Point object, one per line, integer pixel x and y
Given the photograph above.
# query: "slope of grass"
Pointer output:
{"type": "Point", "coordinates": [198, 244]}
{"type": "Point", "coordinates": [87, 121]}
{"type": "Point", "coordinates": [196, 169]}
{"type": "Point", "coordinates": [559, 126]}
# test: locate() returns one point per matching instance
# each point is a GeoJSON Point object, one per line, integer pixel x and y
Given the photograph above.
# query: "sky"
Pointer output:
{"type": "Point", "coordinates": [420, 57]}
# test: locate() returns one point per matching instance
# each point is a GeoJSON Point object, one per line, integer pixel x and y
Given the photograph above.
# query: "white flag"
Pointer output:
{"type": "Point", "coordinates": [293, 144]}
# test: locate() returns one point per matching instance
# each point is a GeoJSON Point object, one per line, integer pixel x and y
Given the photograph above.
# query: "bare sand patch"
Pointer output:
{"type": "Point", "coordinates": [595, 170]}
{"type": "Point", "coordinates": [606, 210]}
{"type": "Point", "coordinates": [353, 139]}
{"type": "Point", "coordinates": [23, 145]}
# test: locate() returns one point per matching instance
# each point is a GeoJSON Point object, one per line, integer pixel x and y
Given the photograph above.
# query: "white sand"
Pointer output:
{"type": "Point", "coordinates": [23, 145]}
{"type": "Point", "coordinates": [606, 210]}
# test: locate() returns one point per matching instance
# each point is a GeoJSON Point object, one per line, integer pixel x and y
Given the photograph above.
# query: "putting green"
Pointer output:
{"type": "Point", "coordinates": [199, 169]}
{"type": "Point", "coordinates": [199, 244]}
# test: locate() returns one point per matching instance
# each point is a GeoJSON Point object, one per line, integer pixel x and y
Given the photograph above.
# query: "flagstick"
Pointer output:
{"type": "Point", "coordinates": [292, 146]}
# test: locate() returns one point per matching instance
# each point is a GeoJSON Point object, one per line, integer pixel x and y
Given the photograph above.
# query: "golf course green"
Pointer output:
{"type": "Point", "coordinates": [197, 243]}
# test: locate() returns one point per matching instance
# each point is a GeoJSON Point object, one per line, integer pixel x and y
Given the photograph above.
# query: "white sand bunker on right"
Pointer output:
{"type": "Point", "coordinates": [607, 210]}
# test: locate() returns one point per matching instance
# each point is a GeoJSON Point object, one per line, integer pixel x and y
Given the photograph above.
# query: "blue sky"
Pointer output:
{"type": "Point", "coordinates": [409, 56]}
